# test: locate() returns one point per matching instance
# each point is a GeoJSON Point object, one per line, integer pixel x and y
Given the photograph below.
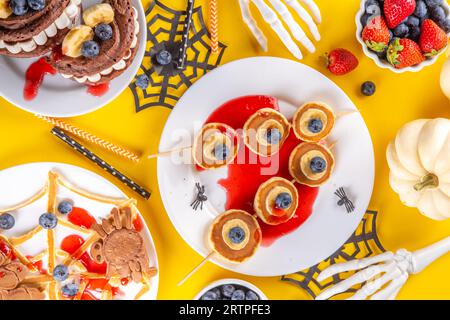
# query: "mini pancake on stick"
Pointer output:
{"type": "Point", "coordinates": [215, 146]}
{"type": "Point", "coordinates": [265, 131]}
{"type": "Point", "coordinates": [313, 121]}
{"type": "Point", "coordinates": [276, 201]}
{"type": "Point", "coordinates": [235, 236]}
{"type": "Point", "coordinates": [311, 164]}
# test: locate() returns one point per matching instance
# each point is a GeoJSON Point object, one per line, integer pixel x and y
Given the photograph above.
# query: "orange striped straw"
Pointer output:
{"type": "Point", "coordinates": [118, 150]}
{"type": "Point", "coordinates": [214, 25]}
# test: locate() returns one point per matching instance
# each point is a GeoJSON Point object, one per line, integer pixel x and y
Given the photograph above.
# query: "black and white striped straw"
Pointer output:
{"type": "Point", "coordinates": [100, 162]}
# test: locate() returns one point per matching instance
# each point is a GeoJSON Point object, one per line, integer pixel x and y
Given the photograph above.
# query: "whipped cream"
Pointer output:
{"type": "Point", "coordinates": [117, 66]}
{"type": "Point", "coordinates": [62, 22]}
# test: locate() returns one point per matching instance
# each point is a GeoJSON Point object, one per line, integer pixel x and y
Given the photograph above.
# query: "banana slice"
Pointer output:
{"type": "Point", "coordinates": [73, 41]}
{"type": "Point", "coordinates": [99, 13]}
{"type": "Point", "coordinates": [5, 10]}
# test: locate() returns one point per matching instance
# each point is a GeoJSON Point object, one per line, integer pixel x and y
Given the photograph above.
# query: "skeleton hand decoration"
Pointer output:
{"type": "Point", "coordinates": [271, 17]}
{"type": "Point", "coordinates": [387, 270]}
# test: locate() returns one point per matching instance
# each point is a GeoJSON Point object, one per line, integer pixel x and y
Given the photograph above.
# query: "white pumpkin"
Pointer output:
{"type": "Point", "coordinates": [419, 159]}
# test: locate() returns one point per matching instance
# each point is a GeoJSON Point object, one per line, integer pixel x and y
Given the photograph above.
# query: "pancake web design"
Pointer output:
{"type": "Point", "coordinates": [363, 243]}
{"type": "Point", "coordinates": [164, 32]}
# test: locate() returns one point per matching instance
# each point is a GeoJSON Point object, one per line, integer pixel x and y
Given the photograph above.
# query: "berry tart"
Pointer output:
{"type": "Point", "coordinates": [215, 146]}
{"type": "Point", "coordinates": [103, 47]}
{"type": "Point", "coordinates": [30, 28]}
{"type": "Point", "coordinates": [403, 34]}
{"type": "Point", "coordinates": [265, 131]}
{"type": "Point", "coordinates": [311, 164]}
{"type": "Point", "coordinates": [276, 201]}
{"type": "Point", "coordinates": [235, 236]}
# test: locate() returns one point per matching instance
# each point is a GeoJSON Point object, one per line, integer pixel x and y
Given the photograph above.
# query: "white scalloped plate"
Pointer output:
{"type": "Point", "coordinates": [60, 97]}
{"type": "Point", "coordinates": [293, 84]}
{"type": "Point", "coordinates": [22, 182]}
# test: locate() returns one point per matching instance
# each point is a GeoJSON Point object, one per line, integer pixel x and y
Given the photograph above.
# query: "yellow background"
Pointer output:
{"type": "Point", "coordinates": [399, 99]}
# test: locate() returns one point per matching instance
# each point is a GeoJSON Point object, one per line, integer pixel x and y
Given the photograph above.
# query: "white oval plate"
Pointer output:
{"type": "Point", "coordinates": [60, 97]}
{"type": "Point", "coordinates": [22, 182]}
{"type": "Point", "coordinates": [293, 84]}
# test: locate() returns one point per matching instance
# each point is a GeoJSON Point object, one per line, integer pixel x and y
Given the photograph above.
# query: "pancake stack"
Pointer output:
{"type": "Point", "coordinates": [112, 55]}
{"type": "Point", "coordinates": [313, 121]}
{"type": "Point", "coordinates": [37, 31]}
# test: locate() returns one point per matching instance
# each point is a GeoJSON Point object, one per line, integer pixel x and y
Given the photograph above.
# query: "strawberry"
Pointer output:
{"type": "Point", "coordinates": [341, 61]}
{"type": "Point", "coordinates": [403, 53]}
{"type": "Point", "coordinates": [395, 11]}
{"type": "Point", "coordinates": [376, 34]}
{"type": "Point", "coordinates": [432, 39]}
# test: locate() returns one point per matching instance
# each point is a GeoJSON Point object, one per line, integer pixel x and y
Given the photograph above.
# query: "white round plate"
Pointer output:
{"type": "Point", "coordinates": [60, 97]}
{"type": "Point", "coordinates": [22, 182]}
{"type": "Point", "coordinates": [222, 282]}
{"type": "Point", "coordinates": [293, 84]}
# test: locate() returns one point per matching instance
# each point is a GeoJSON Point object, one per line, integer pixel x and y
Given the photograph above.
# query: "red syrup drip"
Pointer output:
{"type": "Point", "coordinates": [38, 265]}
{"type": "Point", "coordinates": [245, 178]}
{"type": "Point", "coordinates": [81, 218]}
{"type": "Point", "coordinates": [34, 76]}
{"type": "Point", "coordinates": [72, 243]}
{"type": "Point", "coordinates": [138, 224]}
{"type": "Point", "coordinates": [7, 251]}
{"type": "Point", "coordinates": [98, 90]}
{"type": "Point", "coordinates": [95, 287]}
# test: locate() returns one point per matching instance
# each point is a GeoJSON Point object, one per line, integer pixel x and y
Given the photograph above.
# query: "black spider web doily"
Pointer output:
{"type": "Point", "coordinates": [164, 31]}
{"type": "Point", "coordinates": [363, 243]}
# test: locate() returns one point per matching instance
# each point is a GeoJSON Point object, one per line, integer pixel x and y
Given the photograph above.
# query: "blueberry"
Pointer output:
{"type": "Point", "coordinates": [391, 35]}
{"type": "Point", "coordinates": [221, 152]}
{"type": "Point", "coordinates": [283, 201]}
{"type": "Point", "coordinates": [7, 221]}
{"type": "Point", "coordinates": [70, 289]}
{"type": "Point", "coordinates": [365, 18]}
{"type": "Point", "coordinates": [19, 7]}
{"type": "Point", "coordinates": [210, 295]}
{"type": "Point", "coordinates": [273, 136]}
{"type": "Point", "coordinates": [236, 235]}
{"type": "Point", "coordinates": [315, 125]}
{"type": "Point", "coordinates": [227, 290]}
{"type": "Point", "coordinates": [446, 25]}
{"type": "Point", "coordinates": [412, 21]}
{"type": "Point", "coordinates": [142, 81]}
{"type": "Point", "coordinates": [438, 14]}
{"type": "Point", "coordinates": [433, 3]}
{"type": "Point", "coordinates": [103, 31]}
{"type": "Point", "coordinates": [48, 221]}
{"type": "Point", "coordinates": [414, 33]}
{"type": "Point", "coordinates": [373, 9]}
{"type": "Point", "coordinates": [238, 295]}
{"type": "Point", "coordinates": [421, 9]}
{"type": "Point", "coordinates": [61, 272]}
{"type": "Point", "coordinates": [217, 292]}
{"type": "Point", "coordinates": [370, 3]}
{"type": "Point", "coordinates": [250, 295]}
{"type": "Point", "coordinates": [368, 88]}
{"type": "Point", "coordinates": [65, 207]}
{"type": "Point", "coordinates": [401, 31]}
{"type": "Point", "coordinates": [318, 165]}
{"type": "Point", "coordinates": [36, 5]}
{"type": "Point", "coordinates": [164, 58]}
{"type": "Point", "coordinates": [90, 49]}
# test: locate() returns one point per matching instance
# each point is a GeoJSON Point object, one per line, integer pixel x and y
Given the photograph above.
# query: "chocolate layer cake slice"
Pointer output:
{"type": "Point", "coordinates": [37, 31]}
{"type": "Point", "coordinates": [100, 55]}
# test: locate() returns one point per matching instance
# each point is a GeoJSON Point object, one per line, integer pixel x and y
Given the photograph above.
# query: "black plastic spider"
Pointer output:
{"type": "Point", "coordinates": [200, 198]}
{"type": "Point", "coordinates": [344, 200]}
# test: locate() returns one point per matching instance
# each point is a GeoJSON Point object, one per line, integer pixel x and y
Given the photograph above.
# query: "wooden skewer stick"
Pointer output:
{"type": "Point", "coordinates": [207, 258]}
{"type": "Point", "coordinates": [344, 113]}
{"type": "Point", "coordinates": [168, 152]}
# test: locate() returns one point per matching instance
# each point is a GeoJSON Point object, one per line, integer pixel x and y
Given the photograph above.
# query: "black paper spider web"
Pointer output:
{"type": "Point", "coordinates": [363, 243]}
{"type": "Point", "coordinates": [164, 31]}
